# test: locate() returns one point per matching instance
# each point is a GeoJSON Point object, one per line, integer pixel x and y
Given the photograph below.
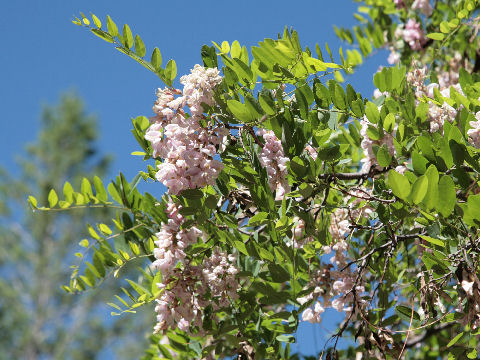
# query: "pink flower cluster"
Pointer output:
{"type": "Point", "coordinates": [188, 289]}
{"type": "Point", "coordinates": [219, 272]}
{"type": "Point", "coordinates": [343, 280]}
{"type": "Point", "coordinates": [474, 132]}
{"type": "Point", "coordinates": [394, 57]}
{"type": "Point", "coordinates": [424, 7]}
{"type": "Point", "coordinates": [437, 114]}
{"type": "Point", "coordinates": [298, 234]}
{"type": "Point", "coordinates": [172, 241]}
{"type": "Point", "coordinates": [274, 161]}
{"type": "Point", "coordinates": [344, 299]}
{"type": "Point", "coordinates": [311, 151]}
{"type": "Point", "coordinates": [412, 34]}
{"type": "Point", "coordinates": [451, 76]}
{"type": "Point", "coordinates": [187, 148]}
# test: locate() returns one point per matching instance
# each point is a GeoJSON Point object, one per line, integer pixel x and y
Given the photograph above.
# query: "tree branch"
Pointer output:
{"type": "Point", "coordinates": [354, 176]}
{"type": "Point", "coordinates": [382, 247]}
{"type": "Point", "coordinates": [430, 331]}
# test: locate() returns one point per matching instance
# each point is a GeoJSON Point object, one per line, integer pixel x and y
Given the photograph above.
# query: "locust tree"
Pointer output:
{"type": "Point", "coordinates": [289, 193]}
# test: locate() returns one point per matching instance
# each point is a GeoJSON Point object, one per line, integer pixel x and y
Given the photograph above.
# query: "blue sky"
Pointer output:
{"type": "Point", "coordinates": [44, 54]}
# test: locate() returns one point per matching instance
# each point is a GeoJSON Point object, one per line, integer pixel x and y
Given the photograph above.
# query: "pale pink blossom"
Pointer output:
{"type": "Point", "coordinates": [187, 148]}
{"type": "Point", "coordinates": [273, 159]}
{"type": "Point", "coordinates": [474, 131]}
{"type": "Point", "coordinates": [311, 151]}
{"type": "Point", "coordinates": [413, 34]}
{"type": "Point", "coordinates": [424, 7]}
{"type": "Point", "coordinates": [394, 57]}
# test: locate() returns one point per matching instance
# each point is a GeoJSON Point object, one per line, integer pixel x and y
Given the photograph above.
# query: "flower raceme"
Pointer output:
{"type": "Point", "coordinates": [189, 288]}
{"type": "Point", "coordinates": [186, 147]}
{"type": "Point", "coordinates": [336, 283]}
{"type": "Point", "coordinates": [274, 161]}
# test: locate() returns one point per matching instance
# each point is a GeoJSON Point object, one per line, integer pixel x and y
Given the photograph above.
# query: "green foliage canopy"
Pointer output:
{"type": "Point", "coordinates": [325, 198]}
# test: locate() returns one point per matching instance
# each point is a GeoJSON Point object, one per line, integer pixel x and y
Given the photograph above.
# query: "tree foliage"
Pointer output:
{"type": "Point", "coordinates": [290, 193]}
{"type": "Point", "coordinates": [38, 320]}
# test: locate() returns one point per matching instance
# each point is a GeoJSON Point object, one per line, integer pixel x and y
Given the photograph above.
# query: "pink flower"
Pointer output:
{"type": "Point", "coordinates": [274, 161]}
{"type": "Point", "coordinates": [186, 147]}
{"type": "Point", "coordinates": [413, 34]}
{"type": "Point", "coordinates": [474, 132]}
{"type": "Point", "coordinates": [394, 57]}
{"type": "Point", "coordinates": [424, 7]}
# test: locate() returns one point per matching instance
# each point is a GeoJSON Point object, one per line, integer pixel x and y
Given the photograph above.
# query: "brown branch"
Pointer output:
{"type": "Point", "coordinates": [430, 331]}
{"type": "Point", "coordinates": [381, 248]}
{"type": "Point", "coordinates": [353, 176]}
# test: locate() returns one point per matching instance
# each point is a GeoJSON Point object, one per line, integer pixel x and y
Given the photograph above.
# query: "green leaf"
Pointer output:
{"type": "Point", "coordinates": [419, 189]}
{"type": "Point", "coordinates": [433, 241]}
{"type": "Point", "coordinates": [104, 229]}
{"type": "Point", "coordinates": [286, 338]}
{"type": "Point", "coordinates": [258, 219]}
{"type": "Point", "coordinates": [444, 28]}
{"type": "Point", "coordinates": [32, 201]}
{"type": "Point", "coordinates": [86, 188]}
{"type": "Point", "coordinates": [139, 46]}
{"type": "Point", "coordinates": [52, 198]}
{"type": "Point", "coordinates": [97, 21]}
{"type": "Point", "coordinates": [84, 243]}
{"type": "Point", "coordinates": [156, 59]}
{"type": "Point", "coordinates": [454, 340]}
{"type": "Point", "coordinates": [235, 49]}
{"type": "Point", "coordinates": [114, 193]}
{"type": "Point", "coordinates": [447, 196]}
{"type": "Point", "coordinates": [93, 233]}
{"type": "Point", "coordinates": [472, 210]}
{"type": "Point", "coordinates": [103, 35]}
{"type": "Point", "coordinates": [407, 312]}
{"type": "Point", "coordinates": [431, 198]}
{"type": "Point", "coordinates": [240, 111]}
{"type": "Point", "coordinates": [434, 261]}
{"type": "Point", "coordinates": [358, 108]}
{"type": "Point", "coordinates": [86, 21]}
{"type": "Point", "coordinates": [171, 71]}
{"type": "Point", "coordinates": [389, 123]}
{"type": "Point", "coordinates": [77, 21]}
{"type": "Point", "coordinates": [127, 36]}
{"type": "Point", "coordinates": [472, 354]}
{"type": "Point", "coordinates": [278, 273]}
{"type": "Point", "coordinates": [240, 246]}
{"type": "Point", "coordinates": [267, 103]}
{"type": "Point", "coordinates": [383, 79]}
{"type": "Point", "coordinates": [192, 194]}
{"type": "Point", "coordinates": [302, 103]}
{"type": "Point", "coordinates": [383, 156]}
{"type": "Point", "coordinates": [265, 254]}
{"type": "Point", "coordinates": [419, 163]}
{"type": "Point", "coordinates": [321, 94]}
{"type": "Point", "coordinates": [371, 110]}
{"type": "Point", "coordinates": [101, 193]}
{"type": "Point", "coordinates": [68, 192]}
{"type": "Point", "coordinates": [436, 36]}
{"type": "Point", "coordinates": [111, 26]}
{"type": "Point", "coordinates": [114, 306]}
{"type": "Point", "coordinates": [398, 74]}
{"type": "Point", "coordinates": [339, 97]}
{"type": "Point", "coordinates": [399, 184]}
